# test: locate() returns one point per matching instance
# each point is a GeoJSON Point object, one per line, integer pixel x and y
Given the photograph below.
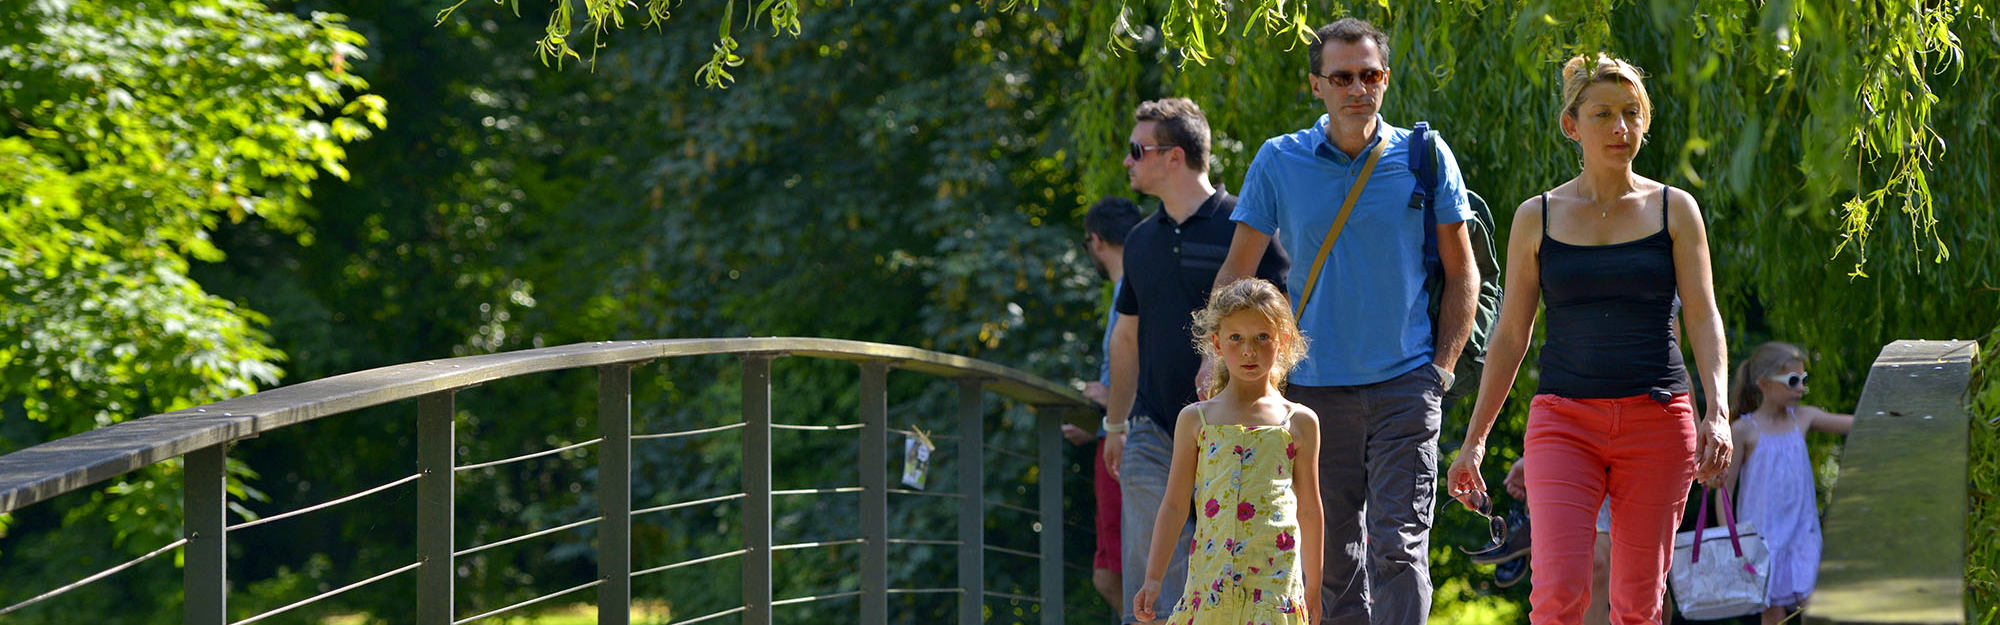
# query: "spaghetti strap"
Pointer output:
{"type": "Point", "coordinates": [1664, 192]}
{"type": "Point", "coordinates": [1199, 415]}
{"type": "Point", "coordinates": [1290, 409]}
{"type": "Point", "coordinates": [1545, 216]}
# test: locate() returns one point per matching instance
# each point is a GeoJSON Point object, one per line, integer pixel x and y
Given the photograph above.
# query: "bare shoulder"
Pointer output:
{"type": "Point", "coordinates": [1682, 210]}
{"type": "Point", "coordinates": [1189, 420]}
{"type": "Point", "coordinates": [1677, 196]}
{"type": "Point", "coordinates": [1530, 208]}
{"type": "Point", "coordinates": [1744, 431]}
{"type": "Point", "coordinates": [1302, 412]}
{"type": "Point", "coordinates": [1193, 410]}
{"type": "Point", "coordinates": [1304, 420]}
{"type": "Point", "coordinates": [1529, 215]}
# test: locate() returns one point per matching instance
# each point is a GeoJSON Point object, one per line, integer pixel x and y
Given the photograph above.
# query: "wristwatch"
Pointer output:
{"type": "Point", "coordinates": [1444, 376]}
{"type": "Point", "coordinates": [1116, 428]}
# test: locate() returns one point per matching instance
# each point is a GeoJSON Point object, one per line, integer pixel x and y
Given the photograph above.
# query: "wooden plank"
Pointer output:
{"type": "Point", "coordinates": [37, 473]}
{"type": "Point", "coordinates": [1895, 530]}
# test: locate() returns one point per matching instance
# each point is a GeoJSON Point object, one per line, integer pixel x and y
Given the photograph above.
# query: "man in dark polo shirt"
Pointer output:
{"type": "Point", "coordinates": [1170, 260]}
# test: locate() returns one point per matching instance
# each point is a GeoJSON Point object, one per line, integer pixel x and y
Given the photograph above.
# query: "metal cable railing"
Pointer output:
{"type": "Point", "coordinates": [65, 588]}
{"type": "Point", "coordinates": [315, 598]}
{"type": "Point", "coordinates": [472, 550]}
{"type": "Point", "coordinates": [1015, 454]}
{"type": "Point", "coordinates": [201, 434]}
{"type": "Point", "coordinates": [1015, 552]}
{"type": "Point", "coordinates": [827, 543]}
{"type": "Point", "coordinates": [666, 435]}
{"type": "Point", "coordinates": [517, 606]}
{"type": "Point", "coordinates": [716, 615]}
{"type": "Point", "coordinates": [315, 508]}
{"type": "Point", "coordinates": [796, 600]}
{"type": "Point", "coordinates": [685, 504]}
{"type": "Point", "coordinates": [931, 435]}
{"type": "Point", "coordinates": [1003, 595]}
{"type": "Point", "coordinates": [695, 561]}
{"type": "Point", "coordinates": [816, 491]}
{"type": "Point", "coordinates": [926, 493]}
{"type": "Point", "coordinates": [531, 456]}
{"type": "Point", "coordinates": [1008, 506]}
{"type": "Point", "coordinates": [817, 428]}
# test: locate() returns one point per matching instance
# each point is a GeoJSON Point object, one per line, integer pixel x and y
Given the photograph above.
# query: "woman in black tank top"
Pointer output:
{"type": "Point", "coordinates": [1612, 256]}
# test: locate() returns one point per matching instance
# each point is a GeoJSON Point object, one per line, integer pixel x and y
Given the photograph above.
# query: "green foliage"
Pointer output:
{"type": "Point", "coordinates": [128, 131]}
{"type": "Point", "coordinates": [909, 174]}
{"type": "Point", "coordinates": [1861, 73]}
{"type": "Point", "coordinates": [916, 165]}
{"type": "Point", "coordinates": [1982, 527]}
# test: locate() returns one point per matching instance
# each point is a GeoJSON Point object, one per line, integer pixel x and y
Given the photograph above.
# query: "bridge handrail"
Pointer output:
{"type": "Point", "coordinates": [56, 467]}
{"type": "Point", "coordinates": [1895, 528]}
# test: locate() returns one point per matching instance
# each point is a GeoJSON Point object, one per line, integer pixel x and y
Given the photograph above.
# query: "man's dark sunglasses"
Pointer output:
{"type": "Point", "coordinates": [1367, 76]}
{"type": "Point", "coordinates": [1138, 152]}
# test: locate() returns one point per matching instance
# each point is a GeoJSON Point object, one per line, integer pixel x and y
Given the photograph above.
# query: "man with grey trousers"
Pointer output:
{"type": "Point", "coordinates": [1376, 371]}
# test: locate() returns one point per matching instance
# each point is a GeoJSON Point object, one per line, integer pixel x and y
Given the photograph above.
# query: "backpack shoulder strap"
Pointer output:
{"type": "Point", "coordinates": [1423, 162]}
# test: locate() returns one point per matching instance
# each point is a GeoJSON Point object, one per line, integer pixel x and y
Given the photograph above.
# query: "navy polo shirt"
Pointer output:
{"type": "Point", "coordinates": [1169, 269]}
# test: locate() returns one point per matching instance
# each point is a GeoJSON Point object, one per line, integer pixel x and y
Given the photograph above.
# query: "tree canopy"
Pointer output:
{"type": "Point", "coordinates": [910, 174]}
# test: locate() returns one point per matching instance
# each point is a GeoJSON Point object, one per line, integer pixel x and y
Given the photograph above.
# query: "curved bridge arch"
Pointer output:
{"type": "Point", "coordinates": [201, 435]}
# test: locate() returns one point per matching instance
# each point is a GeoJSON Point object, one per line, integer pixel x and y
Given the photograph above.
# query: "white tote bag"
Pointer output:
{"type": "Point", "coordinates": [1719, 572]}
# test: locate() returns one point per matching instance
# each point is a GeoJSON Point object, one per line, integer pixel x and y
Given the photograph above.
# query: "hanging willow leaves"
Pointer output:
{"type": "Point", "coordinates": [1849, 82]}
{"type": "Point", "coordinates": [1840, 149]}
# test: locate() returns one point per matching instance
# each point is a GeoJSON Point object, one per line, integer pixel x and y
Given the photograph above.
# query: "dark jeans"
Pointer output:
{"type": "Point", "coordinates": [1378, 484]}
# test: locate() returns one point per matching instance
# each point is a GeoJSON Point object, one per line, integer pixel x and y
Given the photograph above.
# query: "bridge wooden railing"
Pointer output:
{"type": "Point", "coordinates": [1895, 529]}
{"type": "Point", "coordinates": [202, 435]}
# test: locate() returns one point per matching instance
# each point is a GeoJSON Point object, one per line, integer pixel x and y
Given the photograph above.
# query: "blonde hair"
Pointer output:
{"type": "Point", "coordinates": [1249, 294]}
{"type": "Point", "coordinates": [1583, 71]}
{"type": "Point", "coordinates": [1744, 394]}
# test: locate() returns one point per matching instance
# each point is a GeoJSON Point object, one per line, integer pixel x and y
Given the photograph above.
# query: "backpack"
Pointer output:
{"type": "Point", "coordinates": [1486, 306]}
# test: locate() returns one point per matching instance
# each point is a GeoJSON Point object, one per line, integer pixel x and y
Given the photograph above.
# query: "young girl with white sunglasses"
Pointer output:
{"type": "Point", "coordinates": [1775, 492]}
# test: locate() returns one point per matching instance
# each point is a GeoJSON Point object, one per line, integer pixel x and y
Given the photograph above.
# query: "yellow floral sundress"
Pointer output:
{"type": "Point", "coordinates": [1244, 563]}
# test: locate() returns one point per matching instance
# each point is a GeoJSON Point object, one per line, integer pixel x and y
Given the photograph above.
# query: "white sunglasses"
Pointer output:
{"type": "Point", "coordinates": [1791, 380]}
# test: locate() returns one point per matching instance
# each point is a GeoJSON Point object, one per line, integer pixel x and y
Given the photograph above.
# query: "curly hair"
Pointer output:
{"type": "Point", "coordinates": [1249, 294]}
{"type": "Point", "coordinates": [1767, 359]}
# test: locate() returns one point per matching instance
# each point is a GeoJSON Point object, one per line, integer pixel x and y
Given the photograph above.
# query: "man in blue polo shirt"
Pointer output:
{"type": "Point", "coordinates": [1375, 372]}
{"type": "Point", "coordinates": [1170, 260]}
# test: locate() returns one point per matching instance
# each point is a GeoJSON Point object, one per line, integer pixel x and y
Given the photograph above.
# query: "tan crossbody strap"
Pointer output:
{"type": "Point", "coordinates": [1332, 234]}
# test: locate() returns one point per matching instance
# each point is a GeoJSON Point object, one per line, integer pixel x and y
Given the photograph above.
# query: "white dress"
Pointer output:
{"type": "Point", "coordinates": [1776, 495]}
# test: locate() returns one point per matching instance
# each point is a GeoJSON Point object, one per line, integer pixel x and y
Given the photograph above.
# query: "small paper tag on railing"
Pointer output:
{"type": "Point", "coordinates": [917, 450]}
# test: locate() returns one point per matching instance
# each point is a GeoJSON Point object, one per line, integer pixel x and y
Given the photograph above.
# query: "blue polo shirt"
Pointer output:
{"type": "Point", "coordinates": [1368, 317]}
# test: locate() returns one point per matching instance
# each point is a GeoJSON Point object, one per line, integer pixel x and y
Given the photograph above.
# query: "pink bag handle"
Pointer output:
{"type": "Point", "coordinates": [1728, 516]}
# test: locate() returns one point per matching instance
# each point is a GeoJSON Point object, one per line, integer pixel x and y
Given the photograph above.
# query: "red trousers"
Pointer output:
{"type": "Point", "coordinates": [1640, 452]}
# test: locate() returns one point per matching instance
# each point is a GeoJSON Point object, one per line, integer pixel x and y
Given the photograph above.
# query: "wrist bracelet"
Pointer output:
{"type": "Point", "coordinates": [1115, 428]}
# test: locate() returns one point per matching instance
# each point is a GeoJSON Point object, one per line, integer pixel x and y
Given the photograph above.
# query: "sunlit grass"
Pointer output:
{"type": "Point", "coordinates": [643, 613]}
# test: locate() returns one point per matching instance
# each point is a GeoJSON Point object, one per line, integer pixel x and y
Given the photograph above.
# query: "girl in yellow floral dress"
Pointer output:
{"type": "Point", "coordinates": [1249, 462]}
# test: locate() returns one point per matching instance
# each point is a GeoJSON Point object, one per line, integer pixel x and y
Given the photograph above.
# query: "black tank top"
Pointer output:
{"type": "Point", "coordinates": [1611, 310]}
